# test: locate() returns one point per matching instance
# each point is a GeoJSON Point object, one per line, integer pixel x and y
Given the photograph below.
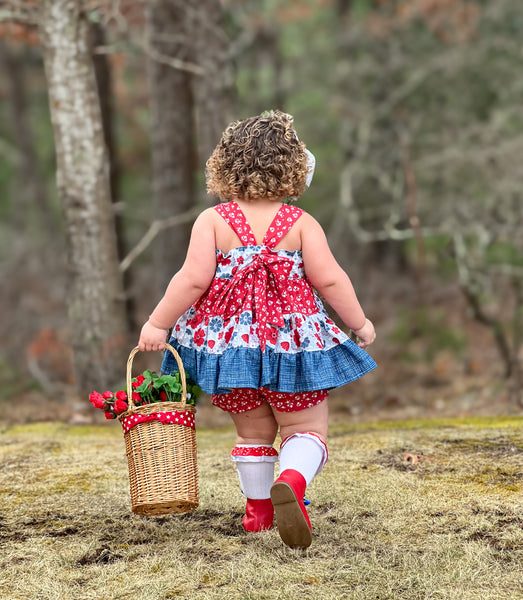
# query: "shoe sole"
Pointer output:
{"type": "Point", "coordinates": [290, 520]}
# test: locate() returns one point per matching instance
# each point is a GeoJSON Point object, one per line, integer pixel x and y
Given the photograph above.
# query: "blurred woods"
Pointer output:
{"type": "Point", "coordinates": [110, 108]}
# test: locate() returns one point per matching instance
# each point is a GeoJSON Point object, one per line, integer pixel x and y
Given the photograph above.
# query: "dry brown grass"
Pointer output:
{"type": "Point", "coordinates": [410, 511]}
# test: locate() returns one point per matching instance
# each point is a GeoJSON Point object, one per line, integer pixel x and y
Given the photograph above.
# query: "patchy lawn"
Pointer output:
{"type": "Point", "coordinates": [406, 510]}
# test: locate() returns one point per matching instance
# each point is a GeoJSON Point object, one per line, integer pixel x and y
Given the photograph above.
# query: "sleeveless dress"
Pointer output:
{"type": "Point", "coordinates": [260, 323]}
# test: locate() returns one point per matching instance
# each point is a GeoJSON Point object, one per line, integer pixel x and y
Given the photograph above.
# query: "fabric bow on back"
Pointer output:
{"type": "Point", "coordinates": [263, 281]}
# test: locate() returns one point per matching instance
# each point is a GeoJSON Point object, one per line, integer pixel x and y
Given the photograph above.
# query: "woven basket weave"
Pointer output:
{"type": "Point", "coordinates": [163, 473]}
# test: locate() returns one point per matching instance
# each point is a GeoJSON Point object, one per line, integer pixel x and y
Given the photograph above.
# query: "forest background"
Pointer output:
{"type": "Point", "coordinates": [110, 108]}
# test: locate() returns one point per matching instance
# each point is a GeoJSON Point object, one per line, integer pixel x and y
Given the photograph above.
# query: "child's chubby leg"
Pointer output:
{"type": "Point", "coordinates": [314, 420]}
{"type": "Point", "coordinates": [256, 426]}
{"type": "Point", "coordinates": [255, 456]}
{"type": "Point", "coordinates": [303, 454]}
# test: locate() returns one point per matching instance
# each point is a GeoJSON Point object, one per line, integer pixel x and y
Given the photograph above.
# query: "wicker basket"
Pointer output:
{"type": "Point", "coordinates": [161, 452]}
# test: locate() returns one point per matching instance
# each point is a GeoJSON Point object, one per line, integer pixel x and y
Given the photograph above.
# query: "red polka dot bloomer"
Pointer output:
{"type": "Point", "coordinates": [243, 399]}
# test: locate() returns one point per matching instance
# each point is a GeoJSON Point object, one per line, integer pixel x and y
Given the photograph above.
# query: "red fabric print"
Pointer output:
{"type": "Point", "coordinates": [228, 334]}
{"type": "Point", "coordinates": [244, 399]}
{"type": "Point", "coordinates": [186, 418]}
{"type": "Point", "coordinates": [264, 282]}
{"type": "Point", "coordinates": [199, 337]}
{"type": "Point", "coordinates": [196, 320]}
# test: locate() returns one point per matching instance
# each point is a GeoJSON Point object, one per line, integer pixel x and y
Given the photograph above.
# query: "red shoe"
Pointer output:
{"type": "Point", "coordinates": [259, 515]}
{"type": "Point", "coordinates": [292, 519]}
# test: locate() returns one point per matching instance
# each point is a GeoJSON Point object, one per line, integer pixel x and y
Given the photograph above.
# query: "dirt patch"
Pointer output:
{"type": "Point", "coordinates": [403, 461]}
{"type": "Point", "coordinates": [100, 556]}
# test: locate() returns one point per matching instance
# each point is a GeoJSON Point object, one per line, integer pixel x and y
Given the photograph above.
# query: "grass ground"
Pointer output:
{"type": "Point", "coordinates": [410, 510]}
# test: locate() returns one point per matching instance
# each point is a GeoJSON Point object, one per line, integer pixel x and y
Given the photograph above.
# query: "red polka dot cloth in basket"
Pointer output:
{"type": "Point", "coordinates": [182, 417]}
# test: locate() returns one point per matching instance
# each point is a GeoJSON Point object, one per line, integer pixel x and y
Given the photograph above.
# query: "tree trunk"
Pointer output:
{"type": "Point", "coordinates": [103, 74]}
{"type": "Point", "coordinates": [30, 186]}
{"type": "Point", "coordinates": [213, 90]}
{"type": "Point", "coordinates": [172, 133]}
{"type": "Point", "coordinates": [95, 294]}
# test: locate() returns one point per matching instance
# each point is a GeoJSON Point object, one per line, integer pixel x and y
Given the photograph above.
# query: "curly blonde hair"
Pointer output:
{"type": "Point", "coordinates": [259, 157]}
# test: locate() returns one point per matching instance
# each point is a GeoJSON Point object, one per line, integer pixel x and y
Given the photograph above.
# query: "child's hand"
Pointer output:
{"type": "Point", "coordinates": [152, 338]}
{"type": "Point", "coordinates": [366, 334]}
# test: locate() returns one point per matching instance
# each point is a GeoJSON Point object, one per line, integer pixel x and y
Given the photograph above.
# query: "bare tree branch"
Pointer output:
{"type": "Point", "coordinates": [472, 290]}
{"type": "Point", "coordinates": [389, 231]}
{"type": "Point", "coordinates": [169, 60]}
{"type": "Point", "coordinates": [477, 155]}
{"type": "Point", "coordinates": [142, 42]}
{"type": "Point", "coordinates": [153, 231]}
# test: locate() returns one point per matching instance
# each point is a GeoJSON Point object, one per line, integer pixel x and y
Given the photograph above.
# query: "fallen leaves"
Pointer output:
{"type": "Point", "coordinates": [415, 459]}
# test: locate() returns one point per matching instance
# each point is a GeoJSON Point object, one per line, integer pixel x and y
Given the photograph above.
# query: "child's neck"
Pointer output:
{"type": "Point", "coordinates": [262, 203]}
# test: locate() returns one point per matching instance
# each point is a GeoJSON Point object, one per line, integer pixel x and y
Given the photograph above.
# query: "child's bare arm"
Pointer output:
{"type": "Point", "coordinates": [189, 283]}
{"type": "Point", "coordinates": [331, 281]}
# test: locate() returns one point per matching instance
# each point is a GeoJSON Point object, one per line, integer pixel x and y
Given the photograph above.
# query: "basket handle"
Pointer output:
{"type": "Point", "coordinates": [134, 351]}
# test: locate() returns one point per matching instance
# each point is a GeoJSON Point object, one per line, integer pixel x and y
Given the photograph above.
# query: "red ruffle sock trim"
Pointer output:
{"type": "Point", "coordinates": [254, 453]}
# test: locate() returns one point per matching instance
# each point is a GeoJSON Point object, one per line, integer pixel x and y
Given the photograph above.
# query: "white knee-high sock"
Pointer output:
{"type": "Point", "coordinates": [303, 452]}
{"type": "Point", "coordinates": [255, 465]}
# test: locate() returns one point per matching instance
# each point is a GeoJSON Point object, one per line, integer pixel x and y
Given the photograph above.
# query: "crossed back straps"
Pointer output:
{"type": "Point", "coordinates": [280, 226]}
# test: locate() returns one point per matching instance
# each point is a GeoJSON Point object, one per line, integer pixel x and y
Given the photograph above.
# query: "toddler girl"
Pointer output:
{"type": "Point", "coordinates": [249, 326]}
